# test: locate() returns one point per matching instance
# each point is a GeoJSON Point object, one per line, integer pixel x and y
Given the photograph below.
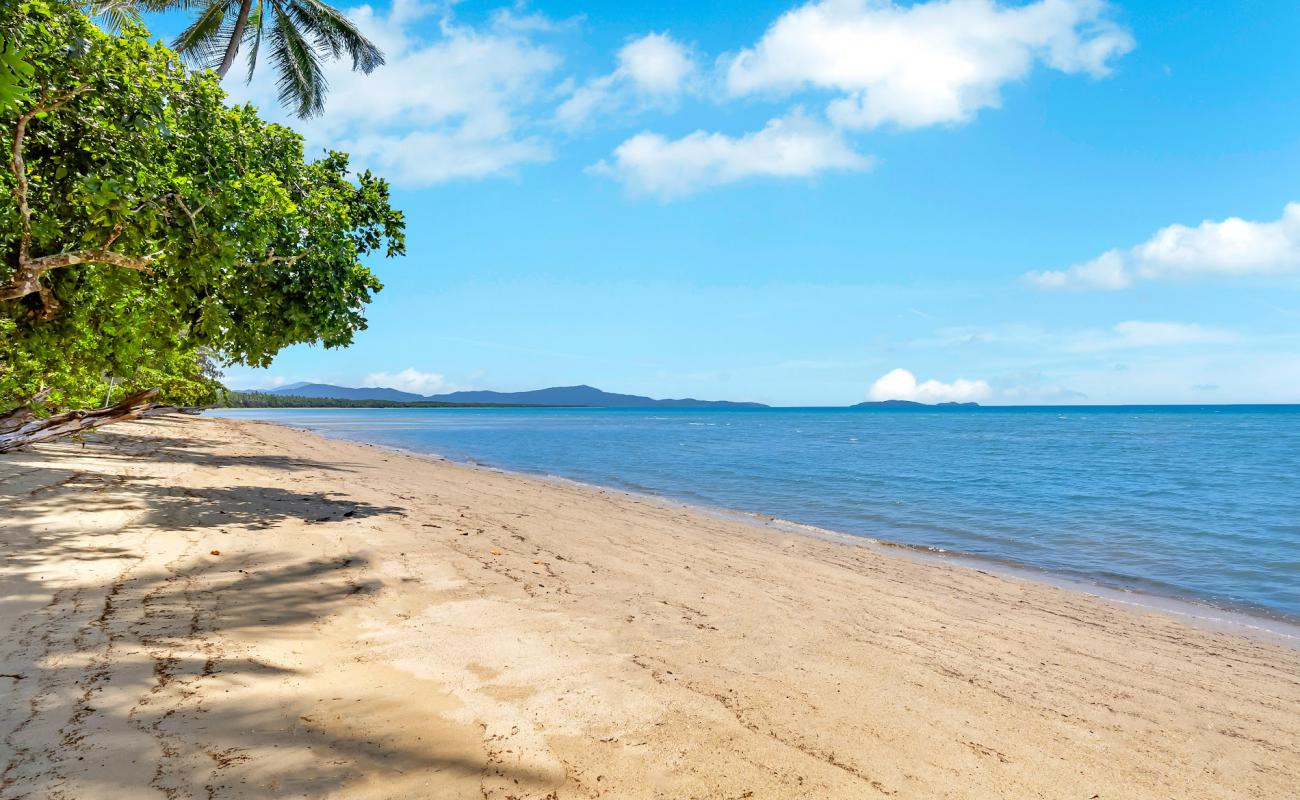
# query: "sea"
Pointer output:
{"type": "Point", "coordinates": [1193, 503]}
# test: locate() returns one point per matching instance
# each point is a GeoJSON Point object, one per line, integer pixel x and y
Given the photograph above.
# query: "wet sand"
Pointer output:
{"type": "Point", "coordinates": [217, 608]}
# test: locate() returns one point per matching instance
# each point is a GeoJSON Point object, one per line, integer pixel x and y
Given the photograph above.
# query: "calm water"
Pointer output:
{"type": "Point", "coordinates": [1199, 503]}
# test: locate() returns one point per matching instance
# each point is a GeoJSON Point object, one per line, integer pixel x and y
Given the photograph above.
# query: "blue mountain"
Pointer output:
{"type": "Point", "coordinates": [555, 396]}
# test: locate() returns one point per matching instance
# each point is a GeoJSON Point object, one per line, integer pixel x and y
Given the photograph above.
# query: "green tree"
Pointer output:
{"type": "Point", "coordinates": [298, 33]}
{"type": "Point", "coordinates": [150, 226]}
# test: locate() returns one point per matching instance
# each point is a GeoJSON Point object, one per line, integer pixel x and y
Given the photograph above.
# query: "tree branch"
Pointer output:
{"type": "Point", "coordinates": [19, 167]}
{"type": "Point", "coordinates": [27, 280]}
{"type": "Point", "coordinates": [272, 258]}
{"type": "Point", "coordinates": [98, 255]}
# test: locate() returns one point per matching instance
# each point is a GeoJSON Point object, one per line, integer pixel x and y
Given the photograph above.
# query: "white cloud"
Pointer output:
{"type": "Point", "coordinates": [656, 64]}
{"type": "Point", "coordinates": [1106, 271]}
{"type": "Point", "coordinates": [923, 64]}
{"type": "Point", "coordinates": [900, 384]}
{"type": "Point", "coordinates": [1232, 247]}
{"type": "Point", "coordinates": [1166, 334]}
{"type": "Point", "coordinates": [653, 71]}
{"type": "Point", "coordinates": [456, 105]}
{"type": "Point", "coordinates": [792, 146]}
{"type": "Point", "coordinates": [423, 158]}
{"type": "Point", "coordinates": [411, 380]}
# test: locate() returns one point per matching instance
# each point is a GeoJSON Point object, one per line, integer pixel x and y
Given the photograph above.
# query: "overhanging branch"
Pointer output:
{"type": "Point", "coordinates": [27, 278]}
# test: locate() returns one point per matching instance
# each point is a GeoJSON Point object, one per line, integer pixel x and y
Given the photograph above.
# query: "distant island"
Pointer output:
{"type": "Point", "coordinates": [911, 404]}
{"type": "Point", "coordinates": [324, 395]}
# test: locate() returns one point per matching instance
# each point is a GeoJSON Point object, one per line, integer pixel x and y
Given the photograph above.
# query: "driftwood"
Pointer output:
{"type": "Point", "coordinates": [21, 427]}
{"type": "Point", "coordinates": [21, 416]}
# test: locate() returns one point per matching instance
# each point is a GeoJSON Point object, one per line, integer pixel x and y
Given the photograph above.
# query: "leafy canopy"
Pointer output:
{"type": "Point", "coordinates": [148, 228]}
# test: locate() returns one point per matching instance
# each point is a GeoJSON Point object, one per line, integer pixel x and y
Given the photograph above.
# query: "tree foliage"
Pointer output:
{"type": "Point", "coordinates": [15, 73]}
{"type": "Point", "coordinates": [149, 227]}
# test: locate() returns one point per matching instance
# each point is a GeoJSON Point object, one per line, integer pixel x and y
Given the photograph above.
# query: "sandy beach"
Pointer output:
{"type": "Point", "coordinates": [219, 609]}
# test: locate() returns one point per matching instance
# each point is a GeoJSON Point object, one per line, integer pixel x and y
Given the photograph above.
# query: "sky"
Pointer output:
{"type": "Point", "coordinates": [1061, 201]}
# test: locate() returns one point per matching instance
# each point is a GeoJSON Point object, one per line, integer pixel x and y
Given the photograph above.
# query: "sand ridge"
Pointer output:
{"type": "Point", "coordinates": [212, 608]}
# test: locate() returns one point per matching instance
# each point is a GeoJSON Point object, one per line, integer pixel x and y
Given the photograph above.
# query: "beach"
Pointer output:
{"type": "Point", "coordinates": [218, 608]}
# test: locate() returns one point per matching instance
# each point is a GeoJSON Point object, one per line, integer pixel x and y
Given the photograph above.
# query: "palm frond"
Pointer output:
{"type": "Point", "coordinates": [336, 33]}
{"type": "Point", "coordinates": [167, 5]}
{"type": "Point", "coordinates": [114, 14]}
{"type": "Point", "coordinates": [301, 81]}
{"type": "Point", "coordinates": [255, 23]}
{"type": "Point", "coordinates": [204, 41]}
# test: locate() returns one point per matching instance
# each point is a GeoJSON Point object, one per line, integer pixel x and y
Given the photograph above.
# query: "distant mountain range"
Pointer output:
{"type": "Point", "coordinates": [584, 396]}
{"type": "Point", "coordinates": [587, 396]}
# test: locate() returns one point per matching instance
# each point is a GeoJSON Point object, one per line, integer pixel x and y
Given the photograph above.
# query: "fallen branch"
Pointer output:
{"type": "Point", "coordinates": [20, 428]}
{"type": "Point", "coordinates": [19, 417]}
{"type": "Point", "coordinates": [155, 410]}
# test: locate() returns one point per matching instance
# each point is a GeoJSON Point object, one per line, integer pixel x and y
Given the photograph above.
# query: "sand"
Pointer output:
{"type": "Point", "coordinates": [210, 608]}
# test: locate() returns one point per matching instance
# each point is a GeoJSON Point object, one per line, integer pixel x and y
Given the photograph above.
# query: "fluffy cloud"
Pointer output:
{"type": "Point", "coordinates": [653, 70]}
{"type": "Point", "coordinates": [792, 146]}
{"type": "Point", "coordinates": [1232, 247]}
{"type": "Point", "coordinates": [455, 105]}
{"type": "Point", "coordinates": [411, 380]}
{"type": "Point", "coordinates": [900, 384]}
{"type": "Point", "coordinates": [923, 64]}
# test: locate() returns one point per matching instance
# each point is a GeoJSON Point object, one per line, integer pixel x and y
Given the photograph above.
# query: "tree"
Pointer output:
{"type": "Point", "coordinates": [150, 226]}
{"type": "Point", "coordinates": [298, 32]}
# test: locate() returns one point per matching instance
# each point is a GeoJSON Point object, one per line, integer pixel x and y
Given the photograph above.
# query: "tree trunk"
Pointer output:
{"type": "Point", "coordinates": [236, 37]}
{"type": "Point", "coordinates": [20, 427]}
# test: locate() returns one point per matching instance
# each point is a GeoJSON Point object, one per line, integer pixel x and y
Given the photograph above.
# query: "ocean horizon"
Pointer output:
{"type": "Point", "coordinates": [1198, 503]}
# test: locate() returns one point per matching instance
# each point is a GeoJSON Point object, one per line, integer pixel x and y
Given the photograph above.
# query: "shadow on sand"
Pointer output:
{"type": "Point", "coordinates": [125, 676]}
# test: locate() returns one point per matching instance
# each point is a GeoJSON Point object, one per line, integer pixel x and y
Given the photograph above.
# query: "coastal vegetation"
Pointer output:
{"type": "Point", "coordinates": [152, 233]}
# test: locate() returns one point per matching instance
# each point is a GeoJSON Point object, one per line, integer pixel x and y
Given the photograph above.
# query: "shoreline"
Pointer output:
{"type": "Point", "coordinates": [1245, 619]}
{"type": "Point", "coordinates": [208, 607]}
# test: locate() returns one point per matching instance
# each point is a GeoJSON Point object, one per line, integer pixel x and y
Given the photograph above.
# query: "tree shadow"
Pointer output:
{"type": "Point", "coordinates": [176, 698]}
{"type": "Point", "coordinates": [163, 443]}
{"type": "Point", "coordinates": [177, 507]}
{"type": "Point", "coordinates": [154, 681]}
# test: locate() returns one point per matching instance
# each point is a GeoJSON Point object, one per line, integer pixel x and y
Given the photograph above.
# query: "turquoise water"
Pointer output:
{"type": "Point", "coordinates": [1193, 502]}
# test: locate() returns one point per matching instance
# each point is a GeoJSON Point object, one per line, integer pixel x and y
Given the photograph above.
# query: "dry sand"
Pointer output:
{"type": "Point", "coordinates": [224, 609]}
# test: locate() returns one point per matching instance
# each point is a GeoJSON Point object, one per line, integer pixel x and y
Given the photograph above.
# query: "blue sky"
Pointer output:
{"type": "Point", "coordinates": [1057, 201]}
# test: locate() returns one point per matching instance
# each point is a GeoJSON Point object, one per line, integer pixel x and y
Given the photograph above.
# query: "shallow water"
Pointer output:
{"type": "Point", "coordinates": [1193, 502]}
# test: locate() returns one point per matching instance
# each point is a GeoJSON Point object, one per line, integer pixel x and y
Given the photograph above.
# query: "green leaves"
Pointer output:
{"type": "Point", "coordinates": [253, 248]}
{"type": "Point", "coordinates": [15, 75]}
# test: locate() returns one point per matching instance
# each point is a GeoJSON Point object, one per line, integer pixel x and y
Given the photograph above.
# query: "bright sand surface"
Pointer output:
{"type": "Point", "coordinates": [211, 608]}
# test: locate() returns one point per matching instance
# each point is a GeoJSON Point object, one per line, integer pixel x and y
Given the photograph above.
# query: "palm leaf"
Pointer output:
{"type": "Point", "coordinates": [204, 41]}
{"type": "Point", "coordinates": [301, 81]}
{"type": "Point", "coordinates": [336, 33]}
{"type": "Point", "coordinates": [115, 14]}
{"type": "Point", "coordinates": [255, 23]}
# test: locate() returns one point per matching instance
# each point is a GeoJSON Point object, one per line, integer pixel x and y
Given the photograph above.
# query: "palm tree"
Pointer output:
{"type": "Point", "coordinates": [113, 14]}
{"type": "Point", "coordinates": [298, 32]}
